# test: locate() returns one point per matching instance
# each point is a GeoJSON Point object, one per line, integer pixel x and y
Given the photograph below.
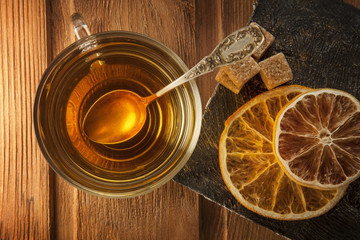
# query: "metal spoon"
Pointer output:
{"type": "Point", "coordinates": [119, 115]}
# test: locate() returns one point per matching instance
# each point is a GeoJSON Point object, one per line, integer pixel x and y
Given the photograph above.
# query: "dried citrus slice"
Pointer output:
{"type": "Point", "coordinates": [249, 167]}
{"type": "Point", "coordinates": [317, 138]}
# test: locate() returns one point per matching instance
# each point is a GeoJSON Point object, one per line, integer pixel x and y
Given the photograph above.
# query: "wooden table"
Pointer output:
{"type": "Point", "coordinates": [34, 202]}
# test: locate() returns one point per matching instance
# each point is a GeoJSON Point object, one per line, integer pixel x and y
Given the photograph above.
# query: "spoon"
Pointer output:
{"type": "Point", "coordinates": [119, 115]}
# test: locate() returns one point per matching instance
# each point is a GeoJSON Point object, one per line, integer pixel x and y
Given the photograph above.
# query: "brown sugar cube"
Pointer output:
{"type": "Point", "coordinates": [224, 80]}
{"type": "Point", "coordinates": [269, 39]}
{"type": "Point", "coordinates": [242, 71]}
{"type": "Point", "coordinates": [275, 71]}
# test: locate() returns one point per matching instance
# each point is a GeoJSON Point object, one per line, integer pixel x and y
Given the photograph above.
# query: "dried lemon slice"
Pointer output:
{"type": "Point", "coordinates": [317, 139]}
{"type": "Point", "coordinates": [249, 167]}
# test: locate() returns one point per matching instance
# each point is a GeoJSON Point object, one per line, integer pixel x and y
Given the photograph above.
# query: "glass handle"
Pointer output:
{"type": "Point", "coordinates": [80, 28]}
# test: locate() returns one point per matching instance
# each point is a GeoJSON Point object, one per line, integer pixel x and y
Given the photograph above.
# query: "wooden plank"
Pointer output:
{"type": "Point", "coordinates": [171, 212]}
{"type": "Point", "coordinates": [26, 201]}
{"type": "Point", "coordinates": [242, 228]}
{"type": "Point", "coordinates": [64, 196]}
{"type": "Point", "coordinates": [209, 32]}
{"type": "Point", "coordinates": [24, 173]}
{"type": "Point", "coordinates": [208, 35]}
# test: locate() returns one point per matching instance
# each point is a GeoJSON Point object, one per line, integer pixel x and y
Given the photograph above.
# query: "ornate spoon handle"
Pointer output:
{"type": "Point", "coordinates": [233, 48]}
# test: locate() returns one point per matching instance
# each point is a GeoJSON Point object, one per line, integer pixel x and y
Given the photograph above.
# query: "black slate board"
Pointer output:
{"type": "Point", "coordinates": [321, 41]}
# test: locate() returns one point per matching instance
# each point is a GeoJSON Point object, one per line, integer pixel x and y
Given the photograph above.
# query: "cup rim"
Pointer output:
{"type": "Point", "coordinates": [136, 36]}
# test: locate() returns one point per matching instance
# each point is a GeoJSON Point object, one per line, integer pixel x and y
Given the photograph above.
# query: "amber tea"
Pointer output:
{"type": "Point", "coordinates": [141, 152]}
{"type": "Point", "coordinates": [93, 67]}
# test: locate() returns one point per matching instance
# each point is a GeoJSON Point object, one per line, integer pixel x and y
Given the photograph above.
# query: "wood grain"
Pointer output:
{"type": "Point", "coordinates": [65, 196]}
{"type": "Point", "coordinates": [37, 204]}
{"type": "Point", "coordinates": [24, 174]}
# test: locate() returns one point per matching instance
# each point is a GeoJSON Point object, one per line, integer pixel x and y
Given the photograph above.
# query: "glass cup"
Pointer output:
{"type": "Point", "coordinates": [91, 67]}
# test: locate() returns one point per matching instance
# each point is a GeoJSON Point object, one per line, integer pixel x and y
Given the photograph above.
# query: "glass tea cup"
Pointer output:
{"type": "Point", "coordinates": [93, 66]}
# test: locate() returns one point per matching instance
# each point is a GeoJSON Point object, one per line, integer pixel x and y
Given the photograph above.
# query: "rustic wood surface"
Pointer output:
{"type": "Point", "coordinates": [34, 202]}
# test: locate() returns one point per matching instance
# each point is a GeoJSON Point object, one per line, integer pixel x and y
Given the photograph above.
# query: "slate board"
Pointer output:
{"type": "Point", "coordinates": [321, 41]}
